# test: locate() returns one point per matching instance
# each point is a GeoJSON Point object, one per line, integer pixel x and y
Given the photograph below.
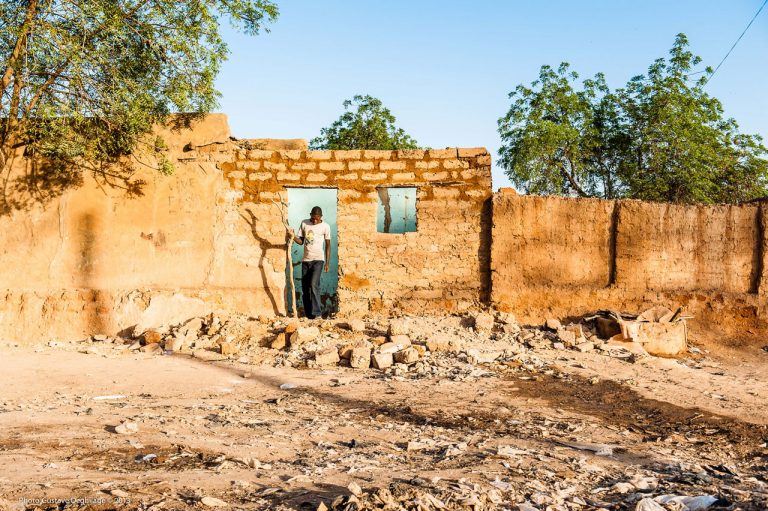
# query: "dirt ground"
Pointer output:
{"type": "Point", "coordinates": [545, 429]}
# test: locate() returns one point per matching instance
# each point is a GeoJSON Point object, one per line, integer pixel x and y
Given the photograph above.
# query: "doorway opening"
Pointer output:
{"type": "Point", "coordinates": [300, 203]}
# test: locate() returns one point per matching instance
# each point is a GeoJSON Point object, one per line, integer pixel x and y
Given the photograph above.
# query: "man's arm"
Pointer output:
{"type": "Point", "coordinates": [327, 255]}
{"type": "Point", "coordinates": [299, 240]}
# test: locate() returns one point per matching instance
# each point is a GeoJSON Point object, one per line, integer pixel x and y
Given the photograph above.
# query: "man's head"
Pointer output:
{"type": "Point", "coordinates": [316, 215]}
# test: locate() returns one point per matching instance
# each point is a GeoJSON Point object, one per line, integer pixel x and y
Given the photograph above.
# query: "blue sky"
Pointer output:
{"type": "Point", "coordinates": [444, 68]}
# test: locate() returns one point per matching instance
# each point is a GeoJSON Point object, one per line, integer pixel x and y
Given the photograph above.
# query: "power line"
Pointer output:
{"type": "Point", "coordinates": [737, 42]}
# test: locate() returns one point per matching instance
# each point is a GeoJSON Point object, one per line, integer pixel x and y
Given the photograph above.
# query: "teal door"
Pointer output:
{"type": "Point", "coordinates": [300, 203]}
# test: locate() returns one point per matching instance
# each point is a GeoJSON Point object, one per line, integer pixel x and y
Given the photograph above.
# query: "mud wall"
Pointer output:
{"type": "Point", "coordinates": [562, 256]}
{"type": "Point", "coordinates": [211, 237]}
{"type": "Point", "coordinates": [442, 266]}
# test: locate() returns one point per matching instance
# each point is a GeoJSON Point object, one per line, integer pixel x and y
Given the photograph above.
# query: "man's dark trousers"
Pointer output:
{"type": "Point", "coordinates": [310, 288]}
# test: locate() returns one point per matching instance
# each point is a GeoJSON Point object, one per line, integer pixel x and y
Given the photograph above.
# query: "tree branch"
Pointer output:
{"type": "Point", "coordinates": [21, 42]}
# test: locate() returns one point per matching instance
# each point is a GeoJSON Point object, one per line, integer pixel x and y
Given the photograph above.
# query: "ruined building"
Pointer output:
{"type": "Point", "coordinates": [417, 231]}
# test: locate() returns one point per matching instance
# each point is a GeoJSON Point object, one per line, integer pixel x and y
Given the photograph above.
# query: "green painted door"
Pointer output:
{"type": "Point", "coordinates": [300, 203]}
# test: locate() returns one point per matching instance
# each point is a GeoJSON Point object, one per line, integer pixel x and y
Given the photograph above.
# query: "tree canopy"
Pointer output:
{"type": "Point", "coordinates": [369, 126]}
{"type": "Point", "coordinates": [82, 83]}
{"type": "Point", "coordinates": [660, 137]}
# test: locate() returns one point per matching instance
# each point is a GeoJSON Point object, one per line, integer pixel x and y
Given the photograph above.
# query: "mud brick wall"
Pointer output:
{"type": "Point", "coordinates": [443, 266]}
{"type": "Point", "coordinates": [693, 248]}
{"type": "Point", "coordinates": [568, 257]}
{"type": "Point", "coordinates": [211, 237]}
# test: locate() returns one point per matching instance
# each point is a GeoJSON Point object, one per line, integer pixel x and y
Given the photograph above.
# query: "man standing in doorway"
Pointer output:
{"type": "Point", "coordinates": [315, 235]}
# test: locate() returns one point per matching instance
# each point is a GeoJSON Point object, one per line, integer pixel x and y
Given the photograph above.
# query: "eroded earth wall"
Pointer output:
{"type": "Point", "coordinates": [211, 237]}
{"type": "Point", "coordinates": [568, 257]}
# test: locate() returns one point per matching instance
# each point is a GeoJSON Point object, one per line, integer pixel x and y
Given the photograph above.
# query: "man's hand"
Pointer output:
{"type": "Point", "coordinates": [327, 267]}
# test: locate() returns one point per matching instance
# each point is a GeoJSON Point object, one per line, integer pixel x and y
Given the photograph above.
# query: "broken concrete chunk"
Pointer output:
{"type": "Point", "coordinates": [291, 327]}
{"type": "Point", "coordinates": [567, 337]}
{"type": "Point", "coordinates": [390, 347]}
{"type": "Point", "coordinates": [152, 336]}
{"type": "Point", "coordinates": [382, 360]}
{"type": "Point", "coordinates": [407, 356]}
{"type": "Point", "coordinates": [153, 348]}
{"type": "Point", "coordinates": [483, 322]}
{"type": "Point", "coordinates": [174, 344]}
{"type": "Point", "coordinates": [303, 335]}
{"type": "Point", "coordinates": [553, 324]}
{"type": "Point", "coordinates": [585, 346]}
{"type": "Point", "coordinates": [445, 345]}
{"type": "Point", "coordinates": [227, 348]}
{"type": "Point", "coordinates": [356, 325]}
{"type": "Point", "coordinates": [327, 357]}
{"type": "Point", "coordinates": [127, 428]}
{"type": "Point", "coordinates": [400, 340]}
{"type": "Point", "coordinates": [505, 318]}
{"type": "Point", "coordinates": [360, 357]}
{"type": "Point", "coordinates": [511, 328]}
{"type": "Point", "coordinates": [483, 356]}
{"type": "Point", "coordinates": [398, 327]}
{"type": "Point", "coordinates": [279, 342]}
{"type": "Point", "coordinates": [213, 502]}
{"type": "Point", "coordinates": [100, 337]}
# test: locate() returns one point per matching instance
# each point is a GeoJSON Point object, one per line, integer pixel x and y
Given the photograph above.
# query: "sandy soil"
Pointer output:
{"type": "Point", "coordinates": [556, 430]}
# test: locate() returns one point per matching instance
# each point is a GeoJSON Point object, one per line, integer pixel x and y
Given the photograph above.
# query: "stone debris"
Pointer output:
{"type": "Point", "coordinates": [382, 360]}
{"type": "Point", "coordinates": [483, 322]}
{"type": "Point", "coordinates": [327, 357]}
{"type": "Point", "coordinates": [360, 357]}
{"type": "Point", "coordinates": [408, 355]}
{"type": "Point", "coordinates": [127, 428]}
{"type": "Point", "coordinates": [356, 325]}
{"type": "Point", "coordinates": [213, 502]}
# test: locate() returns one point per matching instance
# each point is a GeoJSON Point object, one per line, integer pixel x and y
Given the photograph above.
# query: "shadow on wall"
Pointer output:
{"type": "Point", "coordinates": [484, 250]}
{"type": "Point", "coordinates": [98, 304]}
{"type": "Point", "coordinates": [264, 245]}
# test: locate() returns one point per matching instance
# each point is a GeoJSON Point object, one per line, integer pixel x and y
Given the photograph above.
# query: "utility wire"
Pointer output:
{"type": "Point", "coordinates": [737, 42]}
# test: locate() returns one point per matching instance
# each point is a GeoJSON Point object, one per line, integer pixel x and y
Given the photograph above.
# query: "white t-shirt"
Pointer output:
{"type": "Point", "coordinates": [314, 239]}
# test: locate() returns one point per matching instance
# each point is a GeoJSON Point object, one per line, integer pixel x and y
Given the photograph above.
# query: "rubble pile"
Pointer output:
{"type": "Point", "coordinates": [413, 347]}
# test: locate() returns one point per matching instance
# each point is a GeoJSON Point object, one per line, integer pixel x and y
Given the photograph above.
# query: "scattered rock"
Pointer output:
{"type": "Point", "coordinates": [553, 324]}
{"type": "Point", "coordinates": [567, 337]}
{"type": "Point", "coordinates": [327, 357]}
{"type": "Point", "coordinates": [390, 347]}
{"type": "Point", "coordinates": [506, 318]}
{"type": "Point", "coordinates": [127, 428]}
{"type": "Point", "coordinates": [382, 360]}
{"type": "Point", "coordinates": [445, 345]}
{"type": "Point", "coordinates": [227, 348]}
{"type": "Point", "coordinates": [585, 346]}
{"type": "Point", "coordinates": [483, 322]}
{"type": "Point", "coordinates": [398, 327]}
{"type": "Point", "coordinates": [279, 342]}
{"type": "Point", "coordinates": [174, 344]}
{"type": "Point", "coordinates": [303, 335]}
{"type": "Point", "coordinates": [213, 502]}
{"type": "Point", "coordinates": [152, 349]}
{"type": "Point", "coordinates": [360, 357]}
{"type": "Point", "coordinates": [356, 325]}
{"type": "Point", "coordinates": [407, 356]}
{"type": "Point", "coordinates": [99, 337]}
{"type": "Point", "coordinates": [400, 340]}
{"type": "Point", "coordinates": [152, 337]}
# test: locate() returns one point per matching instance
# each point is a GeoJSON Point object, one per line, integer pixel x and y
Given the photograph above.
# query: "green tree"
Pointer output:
{"type": "Point", "coordinates": [82, 83]}
{"type": "Point", "coordinates": [369, 126]}
{"type": "Point", "coordinates": [658, 138]}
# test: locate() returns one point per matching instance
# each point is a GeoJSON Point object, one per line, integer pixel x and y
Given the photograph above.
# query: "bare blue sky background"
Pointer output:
{"type": "Point", "coordinates": [444, 68]}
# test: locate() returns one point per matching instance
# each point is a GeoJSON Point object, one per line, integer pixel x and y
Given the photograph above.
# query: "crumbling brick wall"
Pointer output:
{"type": "Point", "coordinates": [441, 267]}
{"type": "Point", "coordinates": [209, 237]}
{"type": "Point", "coordinates": [568, 257]}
